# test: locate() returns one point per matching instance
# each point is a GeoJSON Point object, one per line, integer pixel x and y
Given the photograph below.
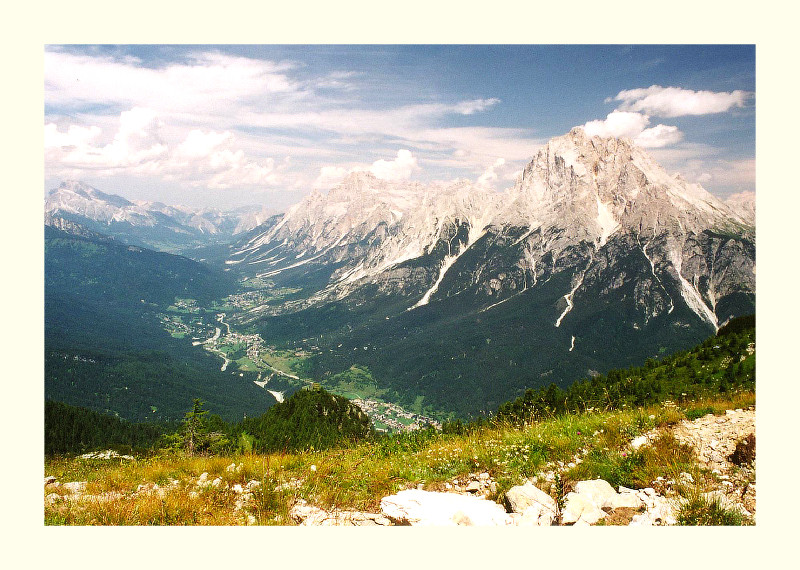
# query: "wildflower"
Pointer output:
{"type": "Point", "coordinates": [313, 467]}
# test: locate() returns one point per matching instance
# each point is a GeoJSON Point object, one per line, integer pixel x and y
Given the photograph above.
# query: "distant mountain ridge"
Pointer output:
{"type": "Point", "coordinates": [148, 223]}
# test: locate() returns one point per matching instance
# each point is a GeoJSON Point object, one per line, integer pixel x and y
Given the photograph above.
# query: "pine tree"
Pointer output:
{"type": "Point", "coordinates": [194, 427]}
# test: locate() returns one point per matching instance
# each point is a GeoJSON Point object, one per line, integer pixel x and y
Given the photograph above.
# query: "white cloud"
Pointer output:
{"type": "Point", "coordinates": [202, 159]}
{"type": "Point", "coordinates": [199, 143]}
{"type": "Point", "coordinates": [677, 102]}
{"type": "Point", "coordinates": [475, 106]}
{"type": "Point", "coordinates": [201, 102]}
{"type": "Point", "coordinates": [400, 168]}
{"type": "Point", "coordinates": [74, 137]}
{"type": "Point", "coordinates": [490, 175]}
{"type": "Point", "coordinates": [658, 136]}
{"type": "Point", "coordinates": [721, 174]}
{"type": "Point", "coordinates": [618, 124]}
{"type": "Point", "coordinates": [330, 176]}
{"type": "Point", "coordinates": [135, 142]}
{"type": "Point", "coordinates": [204, 84]}
{"type": "Point", "coordinates": [633, 126]}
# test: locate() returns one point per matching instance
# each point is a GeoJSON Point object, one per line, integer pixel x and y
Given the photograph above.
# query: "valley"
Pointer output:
{"type": "Point", "coordinates": [279, 372]}
{"type": "Point", "coordinates": [442, 301]}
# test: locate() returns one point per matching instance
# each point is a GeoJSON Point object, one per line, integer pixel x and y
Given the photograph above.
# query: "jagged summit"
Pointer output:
{"type": "Point", "coordinates": [601, 185]}
{"type": "Point", "coordinates": [581, 209]}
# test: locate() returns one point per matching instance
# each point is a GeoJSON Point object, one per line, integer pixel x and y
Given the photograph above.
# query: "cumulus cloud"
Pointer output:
{"type": "Point", "coordinates": [203, 158]}
{"type": "Point", "coordinates": [400, 168]}
{"type": "Point", "coordinates": [490, 175]}
{"type": "Point", "coordinates": [74, 137]}
{"type": "Point", "coordinates": [618, 124]}
{"type": "Point", "coordinates": [677, 102]}
{"type": "Point", "coordinates": [199, 143]}
{"type": "Point", "coordinates": [201, 101]}
{"type": "Point", "coordinates": [330, 176]}
{"type": "Point", "coordinates": [658, 136]}
{"type": "Point", "coordinates": [135, 142]}
{"type": "Point", "coordinates": [633, 126]}
{"type": "Point", "coordinates": [204, 83]}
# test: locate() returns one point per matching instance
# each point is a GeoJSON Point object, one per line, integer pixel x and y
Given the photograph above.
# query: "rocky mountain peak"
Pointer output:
{"type": "Point", "coordinates": [743, 204]}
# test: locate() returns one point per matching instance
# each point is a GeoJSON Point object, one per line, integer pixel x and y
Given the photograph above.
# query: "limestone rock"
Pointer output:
{"type": "Point", "coordinates": [522, 497]}
{"type": "Point", "coordinates": [427, 508]}
{"type": "Point", "coordinates": [597, 491]}
{"type": "Point", "coordinates": [580, 508]}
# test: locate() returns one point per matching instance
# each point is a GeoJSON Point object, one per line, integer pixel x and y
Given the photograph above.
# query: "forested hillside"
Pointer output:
{"type": "Point", "coordinates": [105, 348]}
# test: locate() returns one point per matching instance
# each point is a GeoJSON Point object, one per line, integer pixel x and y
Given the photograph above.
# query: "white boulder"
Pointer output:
{"type": "Point", "coordinates": [426, 508]}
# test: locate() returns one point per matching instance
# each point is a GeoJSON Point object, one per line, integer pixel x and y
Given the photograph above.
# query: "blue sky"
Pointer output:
{"type": "Point", "coordinates": [226, 126]}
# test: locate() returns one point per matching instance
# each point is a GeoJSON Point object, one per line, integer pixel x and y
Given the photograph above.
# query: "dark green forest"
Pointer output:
{"type": "Point", "coordinates": [309, 419]}
{"type": "Point", "coordinates": [314, 418]}
{"type": "Point", "coordinates": [720, 364]}
{"type": "Point", "coordinates": [71, 429]}
{"type": "Point", "coordinates": [105, 348]}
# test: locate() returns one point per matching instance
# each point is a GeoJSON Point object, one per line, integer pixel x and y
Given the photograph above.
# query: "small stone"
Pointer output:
{"type": "Point", "coordinates": [473, 487]}
{"type": "Point", "coordinates": [639, 442]}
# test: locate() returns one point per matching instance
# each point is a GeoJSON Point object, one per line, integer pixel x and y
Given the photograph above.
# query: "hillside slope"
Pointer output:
{"type": "Point", "coordinates": [105, 346]}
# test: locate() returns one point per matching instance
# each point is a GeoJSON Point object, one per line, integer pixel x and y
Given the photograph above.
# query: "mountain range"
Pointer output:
{"type": "Point", "coordinates": [149, 224]}
{"type": "Point", "coordinates": [455, 297]}
{"type": "Point", "coordinates": [595, 257]}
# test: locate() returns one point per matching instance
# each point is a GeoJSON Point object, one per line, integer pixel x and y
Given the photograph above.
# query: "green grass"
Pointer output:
{"type": "Point", "coordinates": [245, 364]}
{"type": "Point", "coordinates": [702, 511]}
{"type": "Point", "coordinates": [357, 477]}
